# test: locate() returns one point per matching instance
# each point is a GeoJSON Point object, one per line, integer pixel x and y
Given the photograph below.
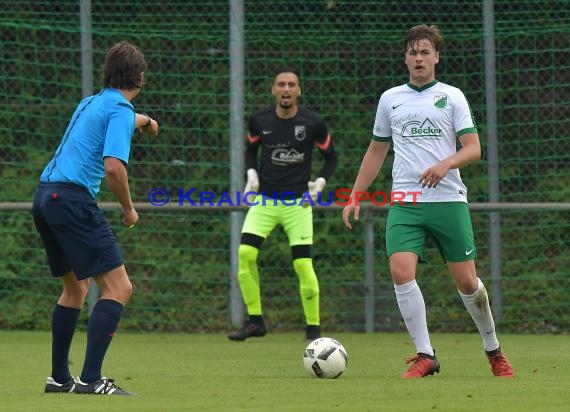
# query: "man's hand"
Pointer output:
{"type": "Point", "coordinates": [146, 124]}
{"type": "Point", "coordinates": [349, 209]}
{"type": "Point", "coordinates": [130, 217]}
{"type": "Point", "coordinates": [316, 187]}
{"type": "Point", "coordinates": [432, 176]}
{"type": "Point", "coordinates": [151, 128]}
{"type": "Point", "coordinates": [252, 185]}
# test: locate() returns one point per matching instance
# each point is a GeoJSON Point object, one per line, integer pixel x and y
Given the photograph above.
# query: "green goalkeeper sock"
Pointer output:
{"type": "Point", "coordinates": [309, 289]}
{"type": "Point", "coordinates": [248, 276]}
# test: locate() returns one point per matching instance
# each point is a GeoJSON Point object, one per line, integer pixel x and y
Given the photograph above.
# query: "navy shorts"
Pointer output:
{"type": "Point", "coordinates": [75, 234]}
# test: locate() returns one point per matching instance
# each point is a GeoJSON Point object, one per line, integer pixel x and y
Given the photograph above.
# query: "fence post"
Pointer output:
{"type": "Point", "coordinates": [237, 70]}
{"type": "Point", "coordinates": [369, 304]}
{"type": "Point", "coordinates": [493, 158]}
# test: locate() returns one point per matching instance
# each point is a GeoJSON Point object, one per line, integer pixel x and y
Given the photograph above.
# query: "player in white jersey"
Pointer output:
{"type": "Point", "coordinates": [424, 118]}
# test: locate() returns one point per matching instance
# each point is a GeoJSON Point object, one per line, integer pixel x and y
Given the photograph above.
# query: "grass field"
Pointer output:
{"type": "Point", "coordinates": [193, 372]}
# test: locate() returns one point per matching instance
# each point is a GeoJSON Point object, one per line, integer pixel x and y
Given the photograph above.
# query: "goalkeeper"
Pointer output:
{"type": "Point", "coordinates": [286, 134]}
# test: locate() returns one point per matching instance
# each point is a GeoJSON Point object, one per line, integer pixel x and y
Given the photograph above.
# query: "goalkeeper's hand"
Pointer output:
{"type": "Point", "coordinates": [252, 185]}
{"type": "Point", "coordinates": [315, 188]}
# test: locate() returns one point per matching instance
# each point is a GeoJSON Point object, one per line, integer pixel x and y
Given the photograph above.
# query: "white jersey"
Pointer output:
{"type": "Point", "coordinates": [424, 123]}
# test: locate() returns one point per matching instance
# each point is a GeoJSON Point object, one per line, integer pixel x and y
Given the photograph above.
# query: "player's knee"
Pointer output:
{"type": "Point", "coordinates": [303, 266]}
{"type": "Point", "coordinates": [247, 253]}
{"type": "Point", "coordinates": [129, 290]}
{"type": "Point", "coordinates": [74, 293]}
{"type": "Point", "coordinates": [74, 296]}
{"type": "Point", "coordinates": [119, 291]}
{"type": "Point", "coordinates": [82, 289]}
{"type": "Point", "coordinates": [306, 273]}
{"type": "Point", "coordinates": [124, 292]}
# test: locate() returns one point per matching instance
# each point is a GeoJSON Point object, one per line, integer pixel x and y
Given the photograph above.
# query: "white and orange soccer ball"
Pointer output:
{"type": "Point", "coordinates": [325, 358]}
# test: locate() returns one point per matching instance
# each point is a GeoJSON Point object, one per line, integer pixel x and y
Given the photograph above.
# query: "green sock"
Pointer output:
{"type": "Point", "coordinates": [308, 289]}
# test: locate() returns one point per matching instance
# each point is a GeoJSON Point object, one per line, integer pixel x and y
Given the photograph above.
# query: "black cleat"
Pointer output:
{"type": "Point", "coordinates": [249, 330]}
{"type": "Point", "coordinates": [312, 332]}
{"type": "Point", "coordinates": [53, 387]}
{"type": "Point", "coordinates": [102, 386]}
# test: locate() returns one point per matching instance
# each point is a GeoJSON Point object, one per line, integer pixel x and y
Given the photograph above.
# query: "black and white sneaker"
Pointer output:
{"type": "Point", "coordinates": [102, 386]}
{"type": "Point", "coordinates": [53, 387]}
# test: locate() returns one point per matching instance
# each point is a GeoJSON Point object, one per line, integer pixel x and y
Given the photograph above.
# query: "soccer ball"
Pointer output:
{"type": "Point", "coordinates": [325, 358]}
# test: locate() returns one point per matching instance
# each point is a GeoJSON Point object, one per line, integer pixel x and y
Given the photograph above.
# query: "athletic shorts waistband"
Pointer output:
{"type": "Point", "coordinates": [63, 185]}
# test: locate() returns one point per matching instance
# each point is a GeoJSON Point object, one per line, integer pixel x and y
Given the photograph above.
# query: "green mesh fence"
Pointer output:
{"type": "Point", "coordinates": [348, 52]}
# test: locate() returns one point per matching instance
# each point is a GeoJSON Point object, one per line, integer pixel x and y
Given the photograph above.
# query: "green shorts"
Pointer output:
{"type": "Point", "coordinates": [447, 223]}
{"type": "Point", "coordinates": [297, 221]}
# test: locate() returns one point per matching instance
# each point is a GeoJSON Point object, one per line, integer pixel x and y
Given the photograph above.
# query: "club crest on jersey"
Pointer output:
{"type": "Point", "coordinates": [300, 133]}
{"type": "Point", "coordinates": [440, 102]}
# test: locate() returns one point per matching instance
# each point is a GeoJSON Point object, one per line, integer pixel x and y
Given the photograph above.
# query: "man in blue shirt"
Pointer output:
{"type": "Point", "coordinates": [78, 240]}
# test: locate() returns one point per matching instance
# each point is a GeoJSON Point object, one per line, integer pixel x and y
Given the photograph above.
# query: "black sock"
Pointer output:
{"type": "Point", "coordinates": [63, 323]}
{"type": "Point", "coordinates": [493, 352]}
{"type": "Point", "coordinates": [256, 319]}
{"type": "Point", "coordinates": [100, 330]}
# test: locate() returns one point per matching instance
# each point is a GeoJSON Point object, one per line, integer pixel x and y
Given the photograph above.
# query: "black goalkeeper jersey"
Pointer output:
{"type": "Point", "coordinates": [287, 150]}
